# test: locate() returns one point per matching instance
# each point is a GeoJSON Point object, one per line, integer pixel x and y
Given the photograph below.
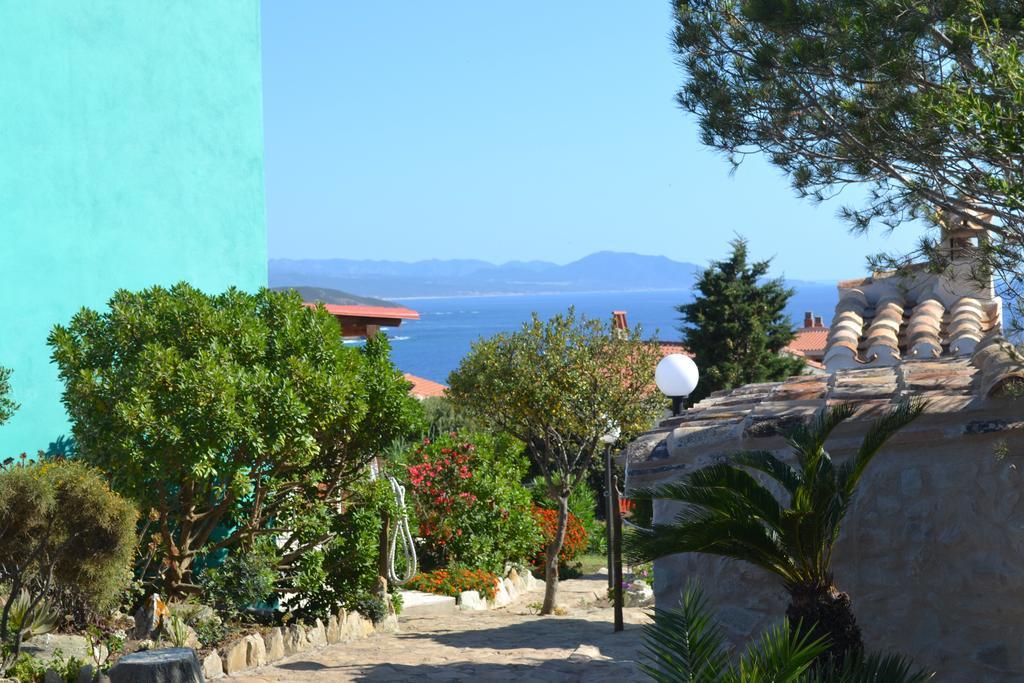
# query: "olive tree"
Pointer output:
{"type": "Point", "coordinates": [226, 416]}
{"type": "Point", "coordinates": [559, 386]}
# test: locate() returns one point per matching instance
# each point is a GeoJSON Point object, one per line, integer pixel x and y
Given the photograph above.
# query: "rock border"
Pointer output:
{"type": "Point", "coordinates": [506, 591]}
{"type": "Point", "coordinates": [263, 648]}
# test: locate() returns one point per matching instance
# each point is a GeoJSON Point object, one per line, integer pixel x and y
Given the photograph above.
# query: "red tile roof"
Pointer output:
{"type": "Point", "coordinates": [809, 342]}
{"type": "Point", "coordinates": [809, 339]}
{"type": "Point", "coordinates": [425, 388]}
{"type": "Point", "coordinates": [371, 311]}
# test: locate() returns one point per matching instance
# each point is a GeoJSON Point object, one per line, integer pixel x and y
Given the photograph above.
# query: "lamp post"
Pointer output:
{"type": "Point", "coordinates": [676, 376]}
{"type": "Point", "coordinates": [608, 439]}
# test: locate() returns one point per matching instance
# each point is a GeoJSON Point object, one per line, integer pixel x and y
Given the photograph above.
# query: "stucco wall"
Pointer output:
{"type": "Point", "coordinates": [131, 139]}
{"type": "Point", "coordinates": [932, 552]}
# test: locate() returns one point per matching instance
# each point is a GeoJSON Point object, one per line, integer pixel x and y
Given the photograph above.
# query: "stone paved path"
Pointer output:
{"type": "Point", "coordinates": [509, 644]}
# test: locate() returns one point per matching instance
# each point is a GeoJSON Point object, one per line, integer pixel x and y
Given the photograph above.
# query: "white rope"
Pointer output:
{"type": "Point", "coordinates": [400, 529]}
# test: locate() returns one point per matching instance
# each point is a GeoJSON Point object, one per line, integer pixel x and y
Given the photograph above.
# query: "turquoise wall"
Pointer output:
{"type": "Point", "coordinates": [131, 154]}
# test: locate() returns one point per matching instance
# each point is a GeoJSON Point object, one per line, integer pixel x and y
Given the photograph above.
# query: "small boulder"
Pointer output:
{"type": "Point", "coordinates": [212, 666]}
{"type": "Point", "coordinates": [51, 676]}
{"type": "Point", "coordinates": [317, 635]}
{"type": "Point", "coordinates": [273, 641]}
{"type": "Point", "coordinates": [638, 594]}
{"type": "Point", "coordinates": [517, 580]}
{"type": "Point", "coordinates": [170, 665]}
{"type": "Point", "coordinates": [510, 588]}
{"type": "Point", "coordinates": [255, 650]}
{"type": "Point", "coordinates": [333, 630]}
{"type": "Point", "coordinates": [294, 640]}
{"type": "Point", "coordinates": [86, 674]}
{"type": "Point", "coordinates": [471, 600]}
{"type": "Point", "coordinates": [235, 657]}
{"type": "Point", "coordinates": [501, 596]}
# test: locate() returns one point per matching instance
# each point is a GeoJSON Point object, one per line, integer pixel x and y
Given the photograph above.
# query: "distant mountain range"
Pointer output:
{"type": "Point", "coordinates": [603, 271]}
{"type": "Point", "coordinates": [335, 296]}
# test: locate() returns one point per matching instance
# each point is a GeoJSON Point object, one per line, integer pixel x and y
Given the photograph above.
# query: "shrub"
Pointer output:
{"type": "Point", "coordinates": [454, 580]}
{"type": "Point", "coordinates": [467, 497]}
{"type": "Point", "coordinates": [582, 504]}
{"type": "Point", "coordinates": [7, 406]}
{"type": "Point", "coordinates": [575, 537]}
{"type": "Point", "coordinates": [343, 571]}
{"type": "Point", "coordinates": [61, 529]}
{"type": "Point", "coordinates": [245, 579]}
{"type": "Point", "coordinates": [226, 412]}
{"type": "Point", "coordinates": [371, 607]}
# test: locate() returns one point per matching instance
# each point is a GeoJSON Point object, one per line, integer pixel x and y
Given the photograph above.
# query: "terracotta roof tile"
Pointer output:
{"type": "Point", "coordinates": [425, 388]}
{"type": "Point", "coordinates": [809, 339]}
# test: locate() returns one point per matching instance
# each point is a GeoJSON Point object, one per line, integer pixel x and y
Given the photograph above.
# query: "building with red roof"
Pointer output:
{"type": "Point", "coordinates": [809, 343]}
{"type": "Point", "coordinates": [424, 388]}
{"type": "Point", "coordinates": [365, 321]}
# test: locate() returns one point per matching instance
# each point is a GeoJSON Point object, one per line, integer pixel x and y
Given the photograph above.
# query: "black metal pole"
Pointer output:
{"type": "Point", "coordinates": [677, 404]}
{"type": "Point", "coordinates": [617, 542]}
{"type": "Point", "coordinates": [609, 536]}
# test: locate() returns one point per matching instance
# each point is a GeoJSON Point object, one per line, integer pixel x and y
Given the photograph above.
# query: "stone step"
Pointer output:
{"type": "Point", "coordinates": [419, 604]}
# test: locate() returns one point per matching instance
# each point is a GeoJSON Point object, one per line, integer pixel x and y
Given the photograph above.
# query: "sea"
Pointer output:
{"type": "Point", "coordinates": [432, 346]}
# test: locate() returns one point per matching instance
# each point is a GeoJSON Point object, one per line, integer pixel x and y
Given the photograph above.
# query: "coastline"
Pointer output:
{"type": "Point", "coordinates": [481, 295]}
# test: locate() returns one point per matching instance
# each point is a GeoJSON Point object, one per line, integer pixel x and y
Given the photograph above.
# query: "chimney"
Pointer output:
{"type": "Point", "coordinates": [818, 322]}
{"type": "Point", "coordinates": [619, 320]}
{"type": "Point", "coordinates": [809, 319]}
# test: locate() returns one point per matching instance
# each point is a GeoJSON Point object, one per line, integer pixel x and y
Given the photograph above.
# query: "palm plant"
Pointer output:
{"type": "Point", "coordinates": [685, 645]}
{"type": "Point", "coordinates": [730, 513]}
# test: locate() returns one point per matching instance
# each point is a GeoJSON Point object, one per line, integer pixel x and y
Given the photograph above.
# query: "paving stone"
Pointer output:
{"type": "Point", "coordinates": [511, 644]}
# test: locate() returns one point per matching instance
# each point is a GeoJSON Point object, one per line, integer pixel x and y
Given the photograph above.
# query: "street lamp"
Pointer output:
{"type": "Point", "coordinates": [676, 376]}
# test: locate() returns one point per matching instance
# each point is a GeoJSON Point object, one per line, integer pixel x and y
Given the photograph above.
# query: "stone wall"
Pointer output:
{"type": "Point", "coordinates": [932, 553]}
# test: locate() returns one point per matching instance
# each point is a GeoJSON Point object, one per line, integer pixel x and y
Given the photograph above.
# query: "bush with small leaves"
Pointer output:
{"type": "Point", "coordinates": [61, 528]}
{"type": "Point", "coordinates": [245, 579]}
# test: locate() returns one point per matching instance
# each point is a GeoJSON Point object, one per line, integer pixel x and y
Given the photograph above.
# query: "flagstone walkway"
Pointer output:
{"type": "Point", "coordinates": [508, 644]}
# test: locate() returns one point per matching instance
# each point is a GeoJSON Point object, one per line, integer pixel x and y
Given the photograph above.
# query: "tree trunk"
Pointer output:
{"type": "Point", "coordinates": [554, 548]}
{"type": "Point", "coordinates": [822, 610]}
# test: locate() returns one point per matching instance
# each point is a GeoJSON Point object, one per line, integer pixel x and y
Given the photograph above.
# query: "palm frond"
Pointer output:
{"type": "Point", "coordinates": [726, 489]}
{"type": "Point", "coordinates": [808, 441]}
{"type": "Point", "coordinates": [701, 532]}
{"type": "Point", "coordinates": [880, 431]}
{"type": "Point", "coordinates": [873, 668]}
{"type": "Point", "coordinates": [765, 461]}
{"type": "Point", "coordinates": [684, 644]}
{"type": "Point", "coordinates": [781, 655]}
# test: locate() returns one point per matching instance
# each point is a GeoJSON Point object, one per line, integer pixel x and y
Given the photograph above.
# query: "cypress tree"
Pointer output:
{"type": "Point", "coordinates": [736, 327]}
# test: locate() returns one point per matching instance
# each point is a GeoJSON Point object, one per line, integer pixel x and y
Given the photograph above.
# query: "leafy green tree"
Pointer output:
{"type": "Point", "coordinates": [736, 326]}
{"type": "Point", "coordinates": [685, 644]}
{"type": "Point", "coordinates": [559, 386]}
{"type": "Point", "coordinates": [730, 513]}
{"type": "Point", "coordinates": [227, 416]}
{"type": "Point", "coordinates": [918, 101]}
{"type": "Point", "coordinates": [7, 406]}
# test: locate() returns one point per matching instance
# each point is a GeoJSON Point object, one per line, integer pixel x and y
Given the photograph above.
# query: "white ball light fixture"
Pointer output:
{"type": "Point", "coordinates": [676, 376]}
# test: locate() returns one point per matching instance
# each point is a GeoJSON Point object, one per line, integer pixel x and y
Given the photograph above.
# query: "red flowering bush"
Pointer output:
{"type": "Point", "coordinates": [576, 539]}
{"type": "Point", "coordinates": [454, 580]}
{"type": "Point", "coordinates": [471, 507]}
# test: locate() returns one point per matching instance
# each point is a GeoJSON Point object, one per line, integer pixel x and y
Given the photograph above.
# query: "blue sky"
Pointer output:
{"type": "Point", "coordinates": [532, 130]}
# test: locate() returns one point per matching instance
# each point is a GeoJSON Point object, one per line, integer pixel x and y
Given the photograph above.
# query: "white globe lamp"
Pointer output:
{"type": "Point", "coordinates": [676, 376]}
